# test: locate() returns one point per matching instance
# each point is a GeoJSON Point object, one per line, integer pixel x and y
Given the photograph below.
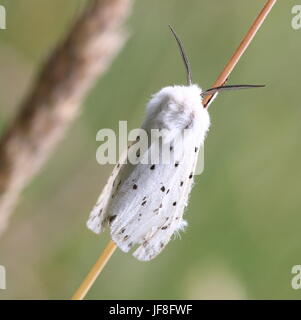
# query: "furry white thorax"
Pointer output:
{"type": "Point", "coordinates": [176, 108]}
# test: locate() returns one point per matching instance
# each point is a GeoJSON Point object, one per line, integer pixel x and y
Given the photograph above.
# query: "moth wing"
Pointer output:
{"type": "Point", "coordinates": [99, 214]}
{"type": "Point", "coordinates": [151, 200]}
{"type": "Point", "coordinates": [157, 241]}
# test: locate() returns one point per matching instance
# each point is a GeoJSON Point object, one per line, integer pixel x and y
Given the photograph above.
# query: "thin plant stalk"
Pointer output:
{"type": "Point", "coordinates": [224, 75]}
{"type": "Point", "coordinates": [95, 271]}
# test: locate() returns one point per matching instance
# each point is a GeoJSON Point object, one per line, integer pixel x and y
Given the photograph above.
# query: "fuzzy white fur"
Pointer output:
{"type": "Point", "coordinates": [144, 204]}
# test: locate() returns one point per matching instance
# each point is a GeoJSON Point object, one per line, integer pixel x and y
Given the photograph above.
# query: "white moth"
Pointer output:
{"type": "Point", "coordinates": [143, 204]}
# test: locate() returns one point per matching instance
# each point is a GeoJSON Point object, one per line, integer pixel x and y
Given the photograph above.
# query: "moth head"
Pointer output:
{"type": "Point", "coordinates": [176, 108]}
{"type": "Point", "coordinates": [212, 91]}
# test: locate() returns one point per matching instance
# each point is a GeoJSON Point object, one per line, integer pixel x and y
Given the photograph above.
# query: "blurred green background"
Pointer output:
{"type": "Point", "coordinates": [244, 215]}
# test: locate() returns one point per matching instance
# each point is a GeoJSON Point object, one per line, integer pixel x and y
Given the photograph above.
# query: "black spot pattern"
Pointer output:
{"type": "Point", "coordinates": [135, 186]}
{"type": "Point", "coordinates": [152, 167]}
{"type": "Point", "coordinates": [163, 189]}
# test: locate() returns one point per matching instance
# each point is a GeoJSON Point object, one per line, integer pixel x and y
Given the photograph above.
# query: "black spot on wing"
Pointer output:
{"type": "Point", "coordinates": [112, 218]}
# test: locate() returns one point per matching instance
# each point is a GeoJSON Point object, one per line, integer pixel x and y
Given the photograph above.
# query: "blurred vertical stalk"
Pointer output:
{"type": "Point", "coordinates": [53, 103]}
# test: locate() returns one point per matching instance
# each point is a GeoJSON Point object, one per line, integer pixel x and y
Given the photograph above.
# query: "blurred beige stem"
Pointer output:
{"type": "Point", "coordinates": [54, 101]}
{"type": "Point", "coordinates": [110, 248]}
{"type": "Point", "coordinates": [94, 272]}
{"type": "Point", "coordinates": [222, 78]}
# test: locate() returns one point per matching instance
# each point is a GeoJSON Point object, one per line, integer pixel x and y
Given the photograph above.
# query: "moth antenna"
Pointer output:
{"type": "Point", "coordinates": [184, 56]}
{"type": "Point", "coordinates": [231, 87]}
